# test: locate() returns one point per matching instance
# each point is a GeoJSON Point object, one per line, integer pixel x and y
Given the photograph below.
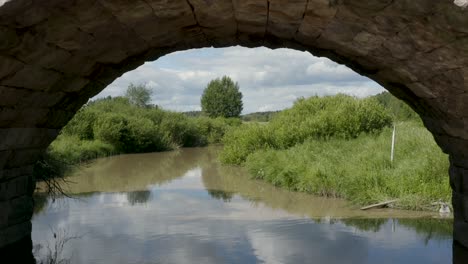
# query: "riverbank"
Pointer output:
{"type": "Point", "coordinates": [114, 126]}
{"type": "Point", "coordinates": [336, 146]}
{"type": "Point", "coordinates": [319, 148]}
{"type": "Point", "coordinates": [360, 170]}
{"type": "Point", "coordinates": [200, 169]}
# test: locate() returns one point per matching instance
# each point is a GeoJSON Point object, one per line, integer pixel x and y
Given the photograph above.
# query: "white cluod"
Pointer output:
{"type": "Point", "coordinates": [2, 2]}
{"type": "Point", "coordinates": [461, 3]}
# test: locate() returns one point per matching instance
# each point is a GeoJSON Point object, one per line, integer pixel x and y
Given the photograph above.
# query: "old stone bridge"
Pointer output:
{"type": "Point", "coordinates": [56, 54]}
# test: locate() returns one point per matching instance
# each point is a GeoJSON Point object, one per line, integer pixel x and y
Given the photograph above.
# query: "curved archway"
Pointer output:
{"type": "Point", "coordinates": [55, 55]}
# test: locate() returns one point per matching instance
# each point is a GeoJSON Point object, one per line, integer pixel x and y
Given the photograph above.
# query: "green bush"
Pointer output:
{"type": "Point", "coordinates": [114, 125]}
{"type": "Point", "coordinates": [81, 125]}
{"type": "Point", "coordinates": [320, 118]}
{"type": "Point", "coordinates": [360, 169]}
{"type": "Point", "coordinates": [243, 141]}
{"type": "Point", "coordinates": [109, 128]}
{"type": "Point", "coordinates": [142, 135]}
{"type": "Point", "coordinates": [214, 129]}
{"type": "Point", "coordinates": [71, 150]}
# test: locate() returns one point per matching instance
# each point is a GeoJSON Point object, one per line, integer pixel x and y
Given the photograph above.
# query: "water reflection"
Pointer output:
{"type": "Point", "coordinates": [196, 211]}
{"type": "Point", "coordinates": [221, 195]}
{"type": "Point", "coordinates": [54, 254]}
{"type": "Point", "coordinates": [138, 197]}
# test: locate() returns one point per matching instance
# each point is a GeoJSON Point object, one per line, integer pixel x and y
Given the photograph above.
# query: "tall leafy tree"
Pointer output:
{"type": "Point", "coordinates": [222, 98]}
{"type": "Point", "coordinates": [139, 95]}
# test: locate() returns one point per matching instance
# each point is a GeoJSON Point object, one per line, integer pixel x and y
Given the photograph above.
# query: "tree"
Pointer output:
{"type": "Point", "coordinates": [139, 95]}
{"type": "Point", "coordinates": [222, 98]}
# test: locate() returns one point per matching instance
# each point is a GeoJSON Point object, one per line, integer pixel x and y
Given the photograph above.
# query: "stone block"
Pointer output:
{"type": "Point", "coordinates": [69, 84]}
{"type": "Point", "coordinates": [128, 12]}
{"type": "Point", "coordinates": [9, 66]}
{"type": "Point", "coordinates": [9, 173]}
{"type": "Point", "coordinates": [21, 210]}
{"type": "Point", "coordinates": [17, 186]}
{"type": "Point", "coordinates": [77, 65]}
{"type": "Point", "coordinates": [4, 212]}
{"type": "Point", "coordinates": [33, 78]}
{"type": "Point", "coordinates": [251, 16]}
{"type": "Point", "coordinates": [458, 179]}
{"type": "Point", "coordinates": [460, 229]}
{"type": "Point", "coordinates": [20, 157]}
{"type": "Point", "coordinates": [57, 118]}
{"type": "Point", "coordinates": [9, 38]}
{"type": "Point", "coordinates": [4, 156]}
{"type": "Point", "coordinates": [18, 97]}
{"type": "Point", "coordinates": [64, 33]}
{"type": "Point", "coordinates": [15, 233]}
{"type": "Point", "coordinates": [14, 117]}
{"type": "Point", "coordinates": [17, 138]}
{"type": "Point", "coordinates": [460, 206]}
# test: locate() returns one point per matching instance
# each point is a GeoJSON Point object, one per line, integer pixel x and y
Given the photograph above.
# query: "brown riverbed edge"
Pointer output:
{"type": "Point", "coordinates": [379, 204]}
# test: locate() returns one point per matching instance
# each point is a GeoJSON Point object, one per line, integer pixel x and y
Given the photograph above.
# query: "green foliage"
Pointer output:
{"type": "Point", "coordinates": [109, 128]}
{"type": "Point", "coordinates": [259, 116]}
{"type": "Point", "coordinates": [72, 150]}
{"type": "Point", "coordinates": [139, 95]}
{"type": "Point", "coordinates": [215, 128]}
{"type": "Point", "coordinates": [222, 98]}
{"type": "Point", "coordinates": [319, 118]}
{"type": "Point", "coordinates": [339, 146]}
{"type": "Point", "coordinates": [193, 113]}
{"type": "Point", "coordinates": [115, 125]}
{"type": "Point", "coordinates": [399, 109]}
{"type": "Point", "coordinates": [360, 170]}
{"type": "Point", "coordinates": [81, 125]}
{"type": "Point", "coordinates": [245, 140]}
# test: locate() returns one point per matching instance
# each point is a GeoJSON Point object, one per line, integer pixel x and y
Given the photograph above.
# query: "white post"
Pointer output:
{"type": "Point", "coordinates": [393, 144]}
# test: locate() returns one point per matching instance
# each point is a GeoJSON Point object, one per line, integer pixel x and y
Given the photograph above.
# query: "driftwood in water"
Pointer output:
{"type": "Point", "coordinates": [378, 204]}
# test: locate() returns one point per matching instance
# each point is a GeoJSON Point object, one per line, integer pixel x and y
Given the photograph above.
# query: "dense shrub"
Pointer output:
{"type": "Point", "coordinates": [81, 125]}
{"type": "Point", "coordinates": [71, 150]}
{"type": "Point", "coordinates": [109, 128]}
{"type": "Point", "coordinates": [360, 169]}
{"type": "Point", "coordinates": [320, 118]}
{"type": "Point", "coordinates": [215, 128]}
{"type": "Point", "coordinates": [114, 125]}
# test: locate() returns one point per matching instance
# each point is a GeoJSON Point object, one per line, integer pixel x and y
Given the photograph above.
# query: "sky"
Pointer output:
{"type": "Point", "coordinates": [268, 79]}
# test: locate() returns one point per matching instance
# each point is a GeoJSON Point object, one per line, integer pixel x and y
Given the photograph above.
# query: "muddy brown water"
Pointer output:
{"type": "Point", "coordinates": [185, 207]}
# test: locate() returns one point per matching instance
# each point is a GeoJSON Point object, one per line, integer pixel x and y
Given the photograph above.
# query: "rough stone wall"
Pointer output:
{"type": "Point", "coordinates": [56, 54]}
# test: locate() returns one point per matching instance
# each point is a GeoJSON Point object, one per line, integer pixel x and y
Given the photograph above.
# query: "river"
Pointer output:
{"type": "Point", "coordinates": [185, 207]}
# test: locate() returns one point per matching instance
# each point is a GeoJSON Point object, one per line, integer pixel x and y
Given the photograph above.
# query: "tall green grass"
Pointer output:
{"type": "Point", "coordinates": [360, 169]}
{"type": "Point", "coordinates": [339, 146]}
{"type": "Point", "coordinates": [319, 118]}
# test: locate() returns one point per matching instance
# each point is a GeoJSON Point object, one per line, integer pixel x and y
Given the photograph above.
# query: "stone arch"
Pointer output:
{"type": "Point", "coordinates": [55, 55]}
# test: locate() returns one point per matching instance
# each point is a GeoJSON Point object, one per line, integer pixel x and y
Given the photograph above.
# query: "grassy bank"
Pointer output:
{"type": "Point", "coordinates": [340, 147]}
{"type": "Point", "coordinates": [360, 169]}
{"type": "Point", "coordinates": [113, 126]}
{"type": "Point", "coordinates": [318, 118]}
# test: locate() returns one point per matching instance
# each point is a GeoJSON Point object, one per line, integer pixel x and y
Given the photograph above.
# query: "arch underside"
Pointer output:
{"type": "Point", "coordinates": [55, 55]}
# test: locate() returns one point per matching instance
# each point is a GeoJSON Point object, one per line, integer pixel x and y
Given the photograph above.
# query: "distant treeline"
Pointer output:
{"type": "Point", "coordinates": [398, 109]}
{"type": "Point", "coordinates": [259, 116]}
{"type": "Point", "coordinates": [252, 117]}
